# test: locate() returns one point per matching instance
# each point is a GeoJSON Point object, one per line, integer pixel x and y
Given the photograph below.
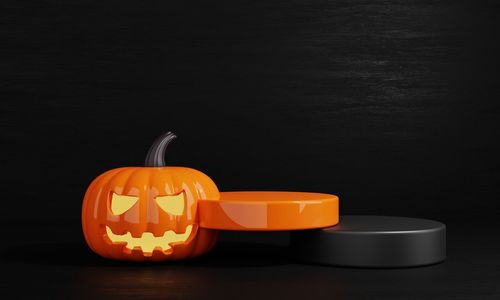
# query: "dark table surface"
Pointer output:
{"type": "Point", "coordinates": [51, 260]}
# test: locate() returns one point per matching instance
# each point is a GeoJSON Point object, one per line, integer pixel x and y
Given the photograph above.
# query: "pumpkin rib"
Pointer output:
{"type": "Point", "coordinates": [146, 203]}
{"type": "Point", "coordinates": [158, 181]}
{"type": "Point", "coordinates": [130, 178]}
{"type": "Point", "coordinates": [127, 181]}
{"type": "Point", "coordinates": [88, 194]}
{"type": "Point", "coordinates": [214, 236]}
{"type": "Point", "coordinates": [206, 242]}
{"type": "Point", "coordinates": [200, 242]}
{"type": "Point", "coordinates": [107, 185]}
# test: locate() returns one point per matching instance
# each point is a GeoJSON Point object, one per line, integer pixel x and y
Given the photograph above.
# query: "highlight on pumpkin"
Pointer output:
{"type": "Point", "coordinates": [173, 204]}
{"type": "Point", "coordinates": [148, 242]}
{"type": "Point", "coordinates": [121, 203]}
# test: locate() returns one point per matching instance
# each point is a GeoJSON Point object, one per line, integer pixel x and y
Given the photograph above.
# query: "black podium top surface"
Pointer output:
{"type": "Point", "coordinates": [383, 224]}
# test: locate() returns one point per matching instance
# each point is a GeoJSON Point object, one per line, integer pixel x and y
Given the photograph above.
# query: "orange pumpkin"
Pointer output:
{"type": "Point", "coordinates": [148, 213]}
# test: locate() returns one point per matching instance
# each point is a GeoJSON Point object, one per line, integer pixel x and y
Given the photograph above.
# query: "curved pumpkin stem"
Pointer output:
{"type": "Point", "coordinates": [156, 154]}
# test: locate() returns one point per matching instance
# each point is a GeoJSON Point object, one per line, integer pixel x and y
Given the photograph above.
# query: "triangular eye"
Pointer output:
{"type": "Point", "coordinates": [171, 204]}
{"type": "Point", "coordinates": [122, 203]}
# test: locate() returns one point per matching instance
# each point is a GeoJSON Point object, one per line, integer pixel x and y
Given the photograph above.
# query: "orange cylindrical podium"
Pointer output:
{"type": "Point", "coordinates": [269, 211]}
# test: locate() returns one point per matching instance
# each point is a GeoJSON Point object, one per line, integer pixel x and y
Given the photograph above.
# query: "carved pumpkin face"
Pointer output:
{"type": "Point", "coordinates": [148, 213]}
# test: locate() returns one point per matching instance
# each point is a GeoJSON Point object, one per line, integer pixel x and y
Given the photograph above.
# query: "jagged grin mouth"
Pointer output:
{"type": "Point", "coordinates": [147, 242]}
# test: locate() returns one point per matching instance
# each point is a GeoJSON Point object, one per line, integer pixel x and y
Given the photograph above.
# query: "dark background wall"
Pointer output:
{"type": "Point", "coordinates": [392, 105]}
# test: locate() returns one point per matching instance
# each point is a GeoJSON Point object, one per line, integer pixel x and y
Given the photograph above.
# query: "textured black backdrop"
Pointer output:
{"type": "Point", "coordinates": [392, 105]}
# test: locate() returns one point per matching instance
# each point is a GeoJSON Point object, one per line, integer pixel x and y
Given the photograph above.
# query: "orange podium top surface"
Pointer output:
{"type": "Point", "coordinates": [269, 211]}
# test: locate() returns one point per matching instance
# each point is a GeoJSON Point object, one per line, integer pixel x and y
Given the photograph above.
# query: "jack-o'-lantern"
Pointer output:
{"type": "Point", "coordinates": [148, 213]}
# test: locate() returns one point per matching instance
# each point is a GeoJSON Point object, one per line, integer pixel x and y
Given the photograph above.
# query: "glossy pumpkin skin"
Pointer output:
{"type": "Point", "coordinates": [145, 217]}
